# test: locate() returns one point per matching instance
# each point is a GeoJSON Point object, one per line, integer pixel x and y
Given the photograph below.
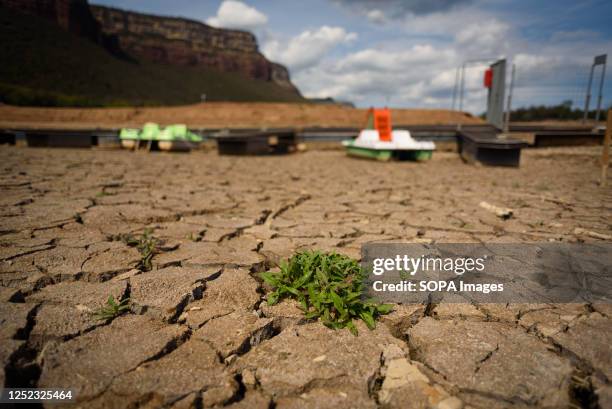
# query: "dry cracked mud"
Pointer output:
{"type": "Point", "coordinates": [199, 333]}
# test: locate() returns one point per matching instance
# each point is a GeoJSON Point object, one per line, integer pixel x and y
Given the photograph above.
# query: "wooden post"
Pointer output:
{"type": "Point", "coordinates": [605, 156]}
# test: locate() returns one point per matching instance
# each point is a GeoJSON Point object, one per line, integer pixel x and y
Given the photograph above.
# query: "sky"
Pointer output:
{"type": "Point", "coordinates": [405, 53]}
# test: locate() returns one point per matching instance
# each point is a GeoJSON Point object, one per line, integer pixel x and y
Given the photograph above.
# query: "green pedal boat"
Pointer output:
{"type": "Point", "coordinates": [171, 138]}
{"type": "Point", "coordinates": [401, 146]}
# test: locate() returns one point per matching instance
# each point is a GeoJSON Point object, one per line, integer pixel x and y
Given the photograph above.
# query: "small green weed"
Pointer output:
{"type": "Point", "coordinates": [112, 309]}
{"type": "Point", "coordinates": [329, 287]}
{"type": "Point", "coordinates": [195, 237]}
{"type": "Point", "coordinates": [147, 247]}
{"type": "Point", "coordinates": [146, 244]}
{"type": "Point", "coordinates": [102, 194]}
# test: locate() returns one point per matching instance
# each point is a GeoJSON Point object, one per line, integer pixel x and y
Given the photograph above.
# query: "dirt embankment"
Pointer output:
{"type": "Point", "coordinates": [220, 115]}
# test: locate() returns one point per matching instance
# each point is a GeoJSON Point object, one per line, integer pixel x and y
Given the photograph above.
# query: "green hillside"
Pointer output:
{"type": "Point", "coordinates": [44, 65]}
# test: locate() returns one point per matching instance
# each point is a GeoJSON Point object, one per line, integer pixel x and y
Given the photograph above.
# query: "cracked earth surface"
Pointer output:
{"type": "Point", "coordinates": [199, 333]}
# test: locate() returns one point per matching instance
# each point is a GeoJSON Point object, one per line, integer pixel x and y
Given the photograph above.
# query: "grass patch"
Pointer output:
{"type": "Point", "coordinates": [112, 309]}
{"type": "Point", "coordinates": [329, 287]}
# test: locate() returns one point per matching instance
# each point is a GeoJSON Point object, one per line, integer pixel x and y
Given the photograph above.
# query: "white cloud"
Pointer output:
{"type": "Point", "coordinates": [487, 38]}
{"type": "Point", "coordinates": [404, 73]}
{"type": "Point", "coordinates": [308, 48]}
{"type": "Point", "coordinates": [420, 76]}
{"type": "Point", "coordinates": [444, 79]}
{"type": "Point", "coordinates": [531, 61]}
{"type": "Point", "coordinates": [416, 65]}
{"type": "Point", "coordinates": [376, 16]}
{"type": "Point", "coordinates": [410, 59]}
{"type": "Point", "coordinates": [409, 77]}
{"type": "Point", "coordinates": [237, 15]}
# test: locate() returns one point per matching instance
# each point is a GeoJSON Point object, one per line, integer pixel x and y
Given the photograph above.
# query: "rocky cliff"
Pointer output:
{"type": "Point", "coordinates": [50, 60]}
{"type": "Point", "coordinates": [165, 40]}
{"type": "Point", "coordinates": [178, 41]}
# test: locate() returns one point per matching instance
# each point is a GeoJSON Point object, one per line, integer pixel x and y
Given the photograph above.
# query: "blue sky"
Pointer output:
{"type": "Point", "coordinates": [405, 52]}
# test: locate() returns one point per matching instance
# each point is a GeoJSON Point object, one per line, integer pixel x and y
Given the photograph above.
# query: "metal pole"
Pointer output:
{"type": "Point", "coordinates": [601, 82]}
{"type": "Point", "coordinates": [588, 95]}
{"type": "Point", "coordinates": [461, 86]}
{"type": "Point", "coordinates": [509, 107]}
{"type": "Point", "coordinates": [461, 83]}
{"type": "Point", "coordinates": [455, 88]}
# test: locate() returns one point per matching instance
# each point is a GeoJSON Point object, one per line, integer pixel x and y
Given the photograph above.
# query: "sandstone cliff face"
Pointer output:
{"type": "Point", "coordinates": [178, 41]}
{"type": "Point", "coordinates": [165, 40]}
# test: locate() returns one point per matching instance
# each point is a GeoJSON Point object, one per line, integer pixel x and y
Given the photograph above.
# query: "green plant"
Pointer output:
{"type": "Point", "coordinates": [147, 246]}
{"type": "Point", "coordinates": [112, 309]}
{"type": "Point", "coordinates": [194, 237]}
{"type": "Point", "coordinates": [329, 287]}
